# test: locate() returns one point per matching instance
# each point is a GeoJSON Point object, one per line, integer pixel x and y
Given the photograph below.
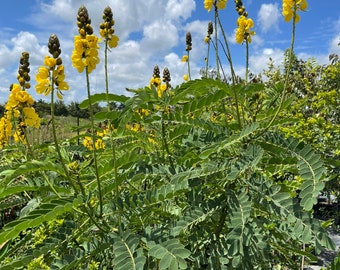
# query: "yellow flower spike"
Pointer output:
{"type": "Point", "coordinates": [52, 71]}
{"type": "Point", "coordinates": [106, 28]}
{"type": "Point", "coordinates": [85, 53]}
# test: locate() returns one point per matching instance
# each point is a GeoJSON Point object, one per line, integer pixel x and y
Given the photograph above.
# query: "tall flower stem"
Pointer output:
{"type": "Point", "coordinates": [55, 138]}
{"type": "Point", "coordinates": [247, 62]}
{"type": "Point", "coordinates": [207, 60]}
{"type": "Point", "coordinates": [228, 54]}
{"type": "Point", "coordinates": [216, 42]}
{"type": "Point", "coordinates": [233, 76]}
{"type": "Point", "coordinates": [290, 63]}
{"type": "Point", "coordinates": [94, 152]}
{"type": "Point", "coordinates": [189, 73]}
{"type": "Point", "coordinates": [113, 146]}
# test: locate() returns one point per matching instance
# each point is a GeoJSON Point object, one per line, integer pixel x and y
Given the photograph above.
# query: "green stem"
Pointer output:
{"type": "Point", "coordinates": [247, 61]}
{"type": "Point", "coordinates": [113, 146]}
{"type": "Point", "coordinates": [233, 76]}
{"type": "Point", "coordinates": [55, 138]}
{"type": "Point", "coordinates": [94, 152]}
{"type": "Point", "coordinates": [207, 61]}
{"type": "Point", "coordinates": [166, 143]}
{"type": "Point", "coordinates": [189, 74]}
{"type": "Point", "coordinates": [216, 39]}
{"type": "Point", "coordinates": [106, 77]}
{"type": "Point", "coordinates": [228, 54]}
{"type": "Point", "coordinates": [286, 81]}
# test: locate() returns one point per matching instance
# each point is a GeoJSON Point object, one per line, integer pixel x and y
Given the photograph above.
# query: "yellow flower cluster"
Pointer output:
{"type": "Point", "coordinates": [289, 7]}
{"type": "Point", "coordinates": [18, 109]}
{"type": "Point", "coordinates": [85, 53]}
{"type": "Point", "coordinates": [51, 73]}
{"type": "Point", "coordinates": [106, 28]}
{"type": "Point", "coordinates": [219, 4]}
{"type": "Point", "coordinates": [99, 143]}
{"type": "Point", "coordinates": [243, 32]}
{"type": "Point", "coordinates": [157, 82]}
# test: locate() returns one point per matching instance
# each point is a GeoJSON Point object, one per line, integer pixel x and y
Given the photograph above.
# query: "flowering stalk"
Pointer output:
{"type": "Point", "coordinates": [85, 57]}
{"type": "Point", "coordinates": [188, 48]}
{"type": "Point", "coordinates": [49, 76]}
{"type": "Point", "coordinates": [244, 32]}
{"type": "Point", "coordinates": [216, 43]}
{"type": "Point", "coordinates": [111, 40]}
{"type": "Point", "coordinates": [207, 39]}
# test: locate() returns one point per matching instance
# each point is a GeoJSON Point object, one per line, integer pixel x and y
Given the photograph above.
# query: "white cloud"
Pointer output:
{"type": "Point", "coordinates": [268, 17]}
{"type": "Point", "coordinates": [179, 8]}
{"type": "Point", "coordinates": [258, 62]}
{"type": "Point", "coordinates": [334, 45]}
{"type": "Point", "coordinates": [159, 36]}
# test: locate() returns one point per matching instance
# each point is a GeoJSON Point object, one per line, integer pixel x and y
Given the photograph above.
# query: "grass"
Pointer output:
{"type": "Point", "coordinates": [66, 128]}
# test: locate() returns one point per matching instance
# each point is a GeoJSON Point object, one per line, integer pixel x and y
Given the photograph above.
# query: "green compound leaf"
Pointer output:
{"type": "Point", "coordinates": [171, 254]}
{"type": "Point", "coordinates": [309, 166]}
{"type": "Point", "coordinates": [127, 254]}
{"type": "Point", "coordinates": [38, 216]}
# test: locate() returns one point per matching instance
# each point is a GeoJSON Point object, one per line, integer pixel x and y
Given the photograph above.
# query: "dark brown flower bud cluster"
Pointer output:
{"type": "Point", "coordinates": [23, 72]}
{"type": "Point", "coordinates": [210, 28]}
{"type": "Point", "coordinates": [166, 77]}
{"type": "Point", "coordinates": [84, 22]}
{"type": "Point", "coordinates": [108, 23]}
{"type": "Point", "coordinates": [54, 47]}
{"type": "Point", "coordinates": [188, 41]}
{"type": "Point", "coordinates": [156, 72]}
{"type": "Point", "coordinates": [241, 10]}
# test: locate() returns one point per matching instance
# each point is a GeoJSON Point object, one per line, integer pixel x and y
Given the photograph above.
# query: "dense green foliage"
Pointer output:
{"type": "Point", "coordinates": [205, 175]}
{"type": "Point", "coordinates": [204, 192]}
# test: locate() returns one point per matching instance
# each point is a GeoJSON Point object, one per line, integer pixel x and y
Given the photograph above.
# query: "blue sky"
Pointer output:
{"type": "Point", "coordinates": [152, 32]}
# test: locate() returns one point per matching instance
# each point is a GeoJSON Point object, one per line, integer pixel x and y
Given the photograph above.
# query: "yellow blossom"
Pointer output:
{"type": "Point", "coordinates": [99, 144]}
{"type": "Point", "coordinates": [220, 4]}
{"type": "Point", "coordinates": [113, 42]}
{"type": "Point", "coordinates": [43, 87]}
{"type": "Point", "coordinates": [50, 62]}
{"type": "Point", "coordinates": [185, 58]}
{"type": "Point", "coordinates": [85, 53]}
{"type": "Point", "coordinates": [185, 77]}
{"type": "Point", "coordinates": [43, 73]}
{"type": "Point", "coordinates": [289, 7]}
{"type": "Point", "coordinates": [208, 4]}
{"type": "Point", "coordinates": [243, 31]}
{"type": "Point", "coordinates": [31, 117]}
